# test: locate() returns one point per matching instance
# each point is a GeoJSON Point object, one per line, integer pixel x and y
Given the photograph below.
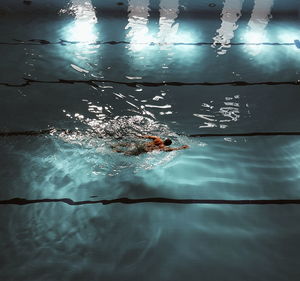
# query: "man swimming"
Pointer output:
{"type": "Point", "coordinates": [156, 144]}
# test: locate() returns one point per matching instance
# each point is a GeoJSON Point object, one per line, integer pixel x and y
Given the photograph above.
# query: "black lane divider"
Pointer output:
{"type": "Point", "coordinates": [63, 42]}
{"type": "Point", "coordinates": [124, 200]}
{"type": "Point", "coordinates": [204, 135]}
{"type": "Point", "coordinates": [93, 82]}
{"type": "Point", "coordinates": [33, 133]}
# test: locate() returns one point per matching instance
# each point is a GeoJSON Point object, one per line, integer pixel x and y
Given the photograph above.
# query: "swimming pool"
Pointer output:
{"type": "Point", "coordinates": [78, 76]}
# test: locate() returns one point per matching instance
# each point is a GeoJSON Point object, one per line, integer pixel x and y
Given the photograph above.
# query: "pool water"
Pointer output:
{"type": "Point", "coordinates": [79, 76]}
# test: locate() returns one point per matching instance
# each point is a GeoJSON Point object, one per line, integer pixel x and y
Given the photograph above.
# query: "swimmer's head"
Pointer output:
{"type": "Point", "coordinates": [167, 142]}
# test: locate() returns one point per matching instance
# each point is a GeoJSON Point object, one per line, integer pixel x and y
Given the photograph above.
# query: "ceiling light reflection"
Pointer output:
{"type": "Point", "coordinates": [137, 24]}
{"type": "Point", "coordinates": [138, 20]}
{"type": "Point", "coordinates": [254, 40]}
{"type": "Point", "coordinates": [257, 24]}
{"type": "Point", "coordinates": [83, 32]}
{"type": "Point", "coordinates": [287, 36]}
{"type": "Point", "coordinates": [231, 13]}
{"type": "Point", "coordinates": [168, 29]}
{"type": "Point", "coordinates": [82, 29]}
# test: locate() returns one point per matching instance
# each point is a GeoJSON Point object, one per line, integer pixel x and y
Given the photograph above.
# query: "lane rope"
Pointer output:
{"type": "Point", "coordinates": [63, 42]}
{"type": "Point", "coordinates": [204, 135]}
{"type": "Point", "coordinates": [93, 82]}
{"type": "Point", "coordinates": [125, 200]}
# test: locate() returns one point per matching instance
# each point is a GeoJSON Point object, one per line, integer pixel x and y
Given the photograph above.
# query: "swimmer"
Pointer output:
{"type": "Point", "coordinates": [156, 144]}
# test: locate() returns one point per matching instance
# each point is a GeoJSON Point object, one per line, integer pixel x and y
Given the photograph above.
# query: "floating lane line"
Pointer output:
{"type": "Point", "coordinates": [93, 82]}
{"type": "Point", "coordinates": [53, 131]}
{"type": "Point", "coordinates": [125, 200]}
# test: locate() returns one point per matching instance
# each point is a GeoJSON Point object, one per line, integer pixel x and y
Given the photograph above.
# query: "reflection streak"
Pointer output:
{"type": "Point", "coordinates": [230, 14]}
{"type": "Point", "coordinates": [167, 27]}
{"type": "Point", "coordinates": [85, 18]}
{"type": "Point", "coordinates": [139, 34]}
{"type": "Point", "coordinates": [261, 15]}
{"type": "Point", "coordinates": [137, 23]}
{"type": "Point", "coordinates": [83, 32]}
{"type": "Point", "coordinates": [214, 116]}
{"type": "Point", "coordinates": [259, 20]}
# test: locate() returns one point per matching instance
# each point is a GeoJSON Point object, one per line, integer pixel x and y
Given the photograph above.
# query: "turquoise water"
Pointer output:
{"type": "Point", "coordinates": [94, 73]}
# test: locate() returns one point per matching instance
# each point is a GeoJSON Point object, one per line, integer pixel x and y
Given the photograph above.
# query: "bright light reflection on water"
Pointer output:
{"type": "Point", "coordinates": [255, 40]}
{"type": "Point", "coordinates": [268, 55]}
{"type": "Point", "coordinates": [289, 35]}
{"type": "Point", "coordinates": [140, 35]}
{"type": "Point", "coordinates": [82, 29]}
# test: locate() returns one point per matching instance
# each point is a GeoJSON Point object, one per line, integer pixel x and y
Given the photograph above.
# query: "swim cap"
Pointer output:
{"type": "Point", "coordinates": [167, 142]}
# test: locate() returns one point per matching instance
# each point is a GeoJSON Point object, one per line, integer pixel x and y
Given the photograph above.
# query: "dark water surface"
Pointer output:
{"type": "Point", "coordinates": [79, 76]}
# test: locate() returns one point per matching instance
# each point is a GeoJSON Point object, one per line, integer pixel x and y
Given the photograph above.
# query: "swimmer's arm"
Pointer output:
{"type": "Point", "coordinates": [149, 137]}
{"type": "Point", "coordinates": [168, 149]}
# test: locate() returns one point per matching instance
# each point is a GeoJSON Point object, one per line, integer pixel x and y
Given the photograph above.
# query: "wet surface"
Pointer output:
{"type": "Point", "coordinates": [78, 77]}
